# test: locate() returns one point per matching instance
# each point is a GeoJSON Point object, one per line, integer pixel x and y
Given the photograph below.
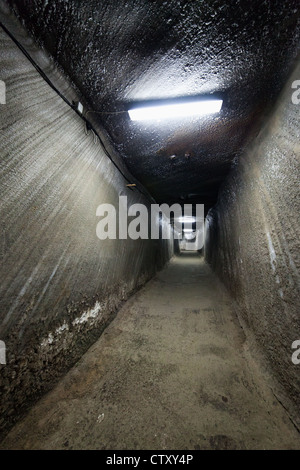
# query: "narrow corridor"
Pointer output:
{"type": "Point", "coordinates": [171, 371]}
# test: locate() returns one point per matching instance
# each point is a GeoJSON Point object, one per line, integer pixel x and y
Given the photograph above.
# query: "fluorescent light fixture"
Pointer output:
{"type": "Point", "coordinates": [188, 230]}
{"type": "Point", "coordinates": [170, 111]}
{"type": "Point", "coordinates": [187, 219]}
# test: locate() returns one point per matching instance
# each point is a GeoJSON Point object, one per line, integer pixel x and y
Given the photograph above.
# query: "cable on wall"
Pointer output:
{"type": "Point", "coordinates": [88, 125]}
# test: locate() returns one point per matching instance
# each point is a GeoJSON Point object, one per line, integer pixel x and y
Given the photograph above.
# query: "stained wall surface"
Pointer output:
{"type": "Point", "coordinates": [253, 240]}
{"type": "Point", "coordinates": [60, 285]}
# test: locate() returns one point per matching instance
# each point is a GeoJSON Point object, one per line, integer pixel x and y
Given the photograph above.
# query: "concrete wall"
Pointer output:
{"type": "Point", "coordinates": [253, 242]}
{"type": "Point", "coordinates": [59, 284]}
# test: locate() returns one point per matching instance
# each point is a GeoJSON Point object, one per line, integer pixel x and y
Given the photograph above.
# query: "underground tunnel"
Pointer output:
{"type": "Point", "coordinates": [149, 278]}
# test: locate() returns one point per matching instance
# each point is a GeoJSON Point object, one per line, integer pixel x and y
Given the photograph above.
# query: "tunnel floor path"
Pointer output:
{"type": "Point", "coordinates": [171, 371]}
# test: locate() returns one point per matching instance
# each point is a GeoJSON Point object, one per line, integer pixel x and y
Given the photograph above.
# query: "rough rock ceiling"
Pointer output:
{"type": "Point", "coordinates": [118, 52]}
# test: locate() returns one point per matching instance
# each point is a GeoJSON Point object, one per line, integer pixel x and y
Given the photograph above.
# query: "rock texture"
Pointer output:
{"type": "Point", "coordinates": [60, 284]}
{"type": "Point", "coordinates": [118, 52]}
{"type": "Point", "coordinates": [253, 241]}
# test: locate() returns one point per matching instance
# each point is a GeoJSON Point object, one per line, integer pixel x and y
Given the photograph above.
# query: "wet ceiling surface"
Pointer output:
{"type": "Point", "coordinates": [121, 52]}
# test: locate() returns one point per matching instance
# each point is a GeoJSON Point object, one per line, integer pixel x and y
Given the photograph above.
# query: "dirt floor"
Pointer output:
{"type": "Point", "coordinates": [171, 371]}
